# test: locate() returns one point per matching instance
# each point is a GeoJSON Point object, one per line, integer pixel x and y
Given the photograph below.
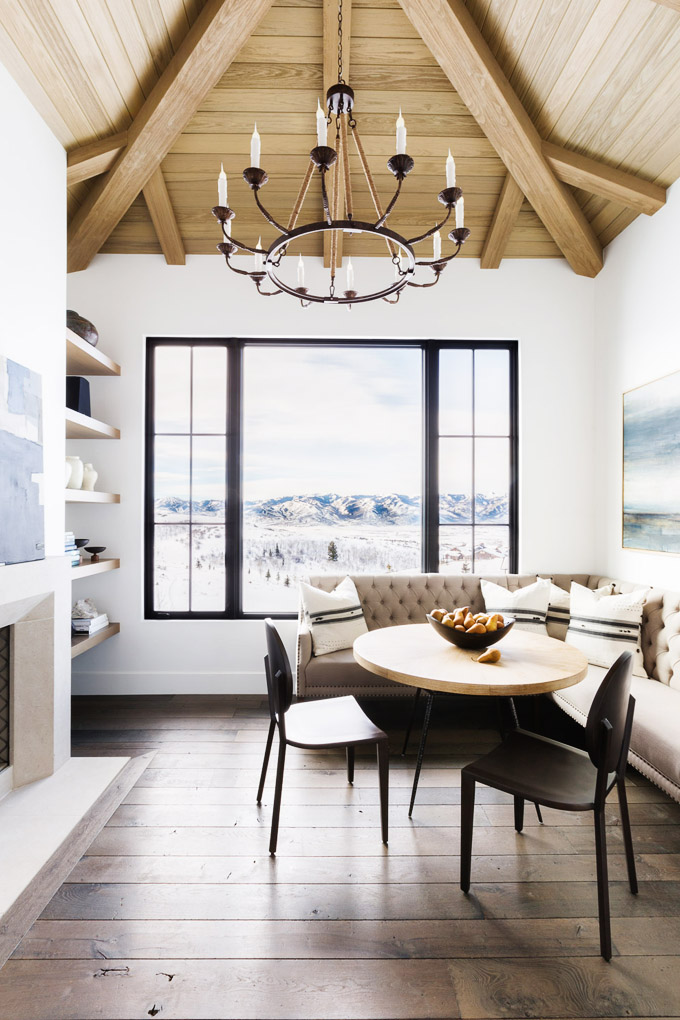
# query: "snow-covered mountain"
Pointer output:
{"type": "Point", "coordinates": [330, 508]}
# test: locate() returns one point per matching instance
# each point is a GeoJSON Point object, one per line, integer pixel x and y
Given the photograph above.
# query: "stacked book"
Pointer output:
{"type": "Point", "coordinates": [70, 548]}
{"type": "Point", "coordinates": [90, 626]}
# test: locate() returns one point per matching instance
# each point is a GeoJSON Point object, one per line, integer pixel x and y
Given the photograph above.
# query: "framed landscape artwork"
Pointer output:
{"type": "Point", "coordinates": [22, 525]}
{"type": "Point", "coordinates": [651, 466]}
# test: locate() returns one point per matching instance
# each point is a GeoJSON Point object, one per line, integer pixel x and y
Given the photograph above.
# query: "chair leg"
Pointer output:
{"type": "Point", "coordinates": [467, 811]}
{"type": "Point", "coordinates": [265, 763]}
{"type": "Point", "coordinates": [602, 885]}
{"type": "Point", "coordinates": [350, 764]}
{"type": "Point", "coordinates": [421, 749]}
{"type": "Point", "coordinates": [384, 781]}
{"type": "Point", "coordinates": [277, 798]}
{"type": "Point", "coordinates": [519, 813]}
{"type": "Point", "coordinates": [410, 722]}
{"type": "Point", "coordinates": [627, 836]}
{"type": "Point", "coordinates": [538, 811]}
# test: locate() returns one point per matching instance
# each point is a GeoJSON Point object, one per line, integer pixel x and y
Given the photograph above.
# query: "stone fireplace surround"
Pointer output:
{"type": "Point", "coordinates": [45, 793]}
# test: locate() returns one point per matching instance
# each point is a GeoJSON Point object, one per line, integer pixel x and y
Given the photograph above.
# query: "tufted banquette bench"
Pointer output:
{"type": "Point", "coordinates": [393, 599]}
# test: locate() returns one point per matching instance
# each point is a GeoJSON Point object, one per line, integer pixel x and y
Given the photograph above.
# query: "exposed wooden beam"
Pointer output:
{"type": "Point", "coordinates": [448, 29]}
{"type": "Point", "coordinates": [95, 158]}
{"type": "Point", "coordinates": [504, 218]}
{"type": "Point", "coordinates": [591, 175]}
{"type": "Point", "coordinates": [211, 44]}
{"type": "Point", "coordinates": [330, 77]}
{"type": "Point", "coordinates": [673, 4]}
{"type": "Point", "coordinates": [163, 216]}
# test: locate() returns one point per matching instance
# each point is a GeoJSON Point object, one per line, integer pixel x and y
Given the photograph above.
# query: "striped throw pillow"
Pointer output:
{"type": "Point", "coordinates": [334, 618]}
{"type": "Point", "coordinates": [528, 605]}
{"type": "Point", "coordinates": [604, 625]}
{"type": "Point", "coordinates": [557, 620]}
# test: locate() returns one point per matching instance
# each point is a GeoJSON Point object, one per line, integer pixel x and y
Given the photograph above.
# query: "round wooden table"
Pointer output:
{"type": "Point", "coordinates": [416, 655]}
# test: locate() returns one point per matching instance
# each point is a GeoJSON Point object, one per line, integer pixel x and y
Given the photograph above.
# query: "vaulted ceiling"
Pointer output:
{"type": "Point", "coordinates": [556, 104]}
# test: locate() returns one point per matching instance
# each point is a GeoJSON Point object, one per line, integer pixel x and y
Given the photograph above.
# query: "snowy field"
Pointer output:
{"type": "Point", "coordinates": [278, 554]}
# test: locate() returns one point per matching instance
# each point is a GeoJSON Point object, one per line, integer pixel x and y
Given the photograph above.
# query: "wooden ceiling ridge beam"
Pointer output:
{"type": "Point", "coordinates": [164, 220]}
{"type": "Point", "coordinates": [330, 77]}
{"type": "Point", "coordinates": [605, 181]}
{"type": "Point", "coordinates": [673, 4]}
{"type": "Point", "coordinates": [212, 43]}
{"type": "Point", "coordinates": [455, 41]}
{"type": "Point", "coordinates": [94, 158]}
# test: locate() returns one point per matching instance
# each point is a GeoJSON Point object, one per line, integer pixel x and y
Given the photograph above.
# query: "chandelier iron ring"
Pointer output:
{"type": "Point", "coordinates": [352, 226]}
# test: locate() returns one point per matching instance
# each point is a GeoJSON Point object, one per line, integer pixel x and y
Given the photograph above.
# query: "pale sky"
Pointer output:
{"type": "Point", "coordinates": [328, 419]}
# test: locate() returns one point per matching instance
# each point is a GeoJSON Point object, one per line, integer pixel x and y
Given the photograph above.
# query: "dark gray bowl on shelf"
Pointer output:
{"type": "Point", "coordinates": [473, 642]}
{"type": "Point", "coordinates": [80, 542]}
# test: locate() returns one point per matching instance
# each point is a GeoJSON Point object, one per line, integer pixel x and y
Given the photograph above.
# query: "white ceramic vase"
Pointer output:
{"type": "Point", "coordinates": [69, 470]}
{"type": "Point", "coordinates": [76, 479]}
{"type": "Point", "coordinates": [90, 476]}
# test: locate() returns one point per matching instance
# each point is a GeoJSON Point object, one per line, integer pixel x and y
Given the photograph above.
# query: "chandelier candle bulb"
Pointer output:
{"type": "Point", "coordinates": [460, 211]}
{"type": "Point", "coordinates": [450, 171]}
{"type": "Point", "coordinates": [222, 187]}
{"type": "Point", "coordinates": [350, 274]}
{"type": "Point", "coordinates": [436, 246]}
{"type": "Point", "coordinates": [300, 272]}
{"type": "Point", "coordinates": [321, 126]}
{"type": "Point", "coordinates": [255, 148]}
{"type": "Point", "coordinates": [401, 135]}
{"type": "Point", "coordinates": [257, 258]}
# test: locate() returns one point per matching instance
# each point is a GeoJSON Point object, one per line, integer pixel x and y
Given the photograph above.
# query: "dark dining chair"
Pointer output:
{"type": "Point", "coordinates": [535, 768]}
{"type": "Point", "coordinates": [326, 723]}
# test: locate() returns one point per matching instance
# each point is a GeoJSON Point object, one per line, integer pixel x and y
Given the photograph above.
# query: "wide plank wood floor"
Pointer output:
{"type": "Point", "coordinates": [178, 911]}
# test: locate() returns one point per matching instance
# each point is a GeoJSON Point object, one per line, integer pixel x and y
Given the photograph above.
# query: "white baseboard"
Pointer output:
{"type": "Point", "coordinates": [168, 683]}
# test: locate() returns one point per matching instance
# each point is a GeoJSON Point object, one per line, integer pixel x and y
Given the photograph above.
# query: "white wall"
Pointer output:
{"type": "Point", "coordinates": [33, 301]}
{"type": "Point", "coordinates": [637, 328]}
{"type": "Point", "coordinates": [539, 302]}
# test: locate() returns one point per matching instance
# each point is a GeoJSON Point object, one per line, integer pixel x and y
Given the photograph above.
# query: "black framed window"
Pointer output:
{"type": "Point", "coordinates": [267, 461]}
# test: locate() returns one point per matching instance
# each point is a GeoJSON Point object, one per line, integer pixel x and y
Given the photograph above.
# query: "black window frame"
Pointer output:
{"type": "Point", "coordinates": [235, 347]}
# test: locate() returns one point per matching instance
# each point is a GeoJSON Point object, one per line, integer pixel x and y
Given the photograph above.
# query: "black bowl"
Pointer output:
{"type": "Point", "coordinates": [95, 549]}
{"type": "Point", "coordinates": [462, 639]}
{"type": "Point", "coordinates": [80, 542]}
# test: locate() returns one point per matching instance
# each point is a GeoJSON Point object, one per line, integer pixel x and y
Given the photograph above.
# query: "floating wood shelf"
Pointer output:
{"type": "Point", "coordinates": [79, 426]}
{"type": "Point", "coordinates": [83, 642]}
{"type": "Point", "coordinates": [84, 359]}
{"type": "Point", "coordinates": [86, 569]}
{"type": "Point", "coordinates": [85, 496]}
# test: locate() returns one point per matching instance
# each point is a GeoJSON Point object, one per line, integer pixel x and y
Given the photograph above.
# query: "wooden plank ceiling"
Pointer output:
{"type": "Point", "coordinates": [600, 78]}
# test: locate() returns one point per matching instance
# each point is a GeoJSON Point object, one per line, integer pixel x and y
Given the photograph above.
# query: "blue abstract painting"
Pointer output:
{"type": "Point", "coordinates": [22, 520]}
{"type": "Point", "coordinates": [651, 466]}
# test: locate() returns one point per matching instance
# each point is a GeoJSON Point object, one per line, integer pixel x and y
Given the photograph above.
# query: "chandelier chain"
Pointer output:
{"type": "Point", "coordinates": [341, 80]}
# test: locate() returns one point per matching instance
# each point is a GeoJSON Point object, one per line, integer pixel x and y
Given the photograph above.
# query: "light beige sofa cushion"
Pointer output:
{"type": "Point", "coordinates": [655, 739]}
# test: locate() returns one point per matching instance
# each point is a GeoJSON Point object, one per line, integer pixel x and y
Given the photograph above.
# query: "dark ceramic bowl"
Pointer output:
{"type": "Point", "coordinates": [462, 639]}
{"type": "Point", "coordinates": [80, 542]}
{"type": "Point", "coordinates": [95, 549]}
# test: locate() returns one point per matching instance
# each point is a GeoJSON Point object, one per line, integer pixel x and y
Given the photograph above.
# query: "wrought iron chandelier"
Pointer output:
{"type": "Point", "coordinates": [325, 160]}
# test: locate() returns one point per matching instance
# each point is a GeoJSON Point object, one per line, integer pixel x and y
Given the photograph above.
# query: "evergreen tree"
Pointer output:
{"type": "Point", "coordinates": [332, 552]}
{"type": "Point", "coordinates": [278, 551]}
{"type": "Point", "coordinates": [268, 575]}
{"type": "Point", "coordinates": [287, 581]}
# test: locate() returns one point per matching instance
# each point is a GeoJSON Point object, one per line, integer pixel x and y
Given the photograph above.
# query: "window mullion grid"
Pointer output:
{"type": "Point", "coordinates": [233, 502]}
{"type": "Point", "coordinates": [191, 472]}
{"type": "Point", "coordinates": [473, 508]}
{"type": "Point", "coordinates": [430, 523]}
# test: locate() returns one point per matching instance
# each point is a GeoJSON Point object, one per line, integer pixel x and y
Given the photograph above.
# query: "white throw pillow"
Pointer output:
{"type": "Point", "coordinates": [335, 618]}
{"type": "Point", "coordinates": [528, 605]}
{"type": "Point", "coordinates": [557, 620]}
{"type": "Point", "coordinates": [603, 625]}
